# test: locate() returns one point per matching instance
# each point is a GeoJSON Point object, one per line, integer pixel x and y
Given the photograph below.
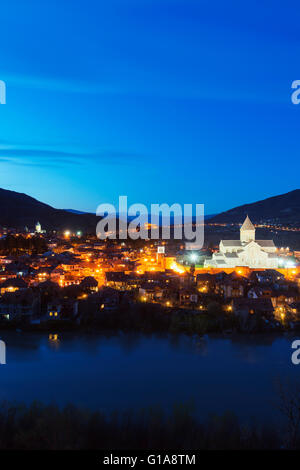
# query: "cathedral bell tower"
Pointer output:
{"type": "Point", "coordinates": [247, 231]}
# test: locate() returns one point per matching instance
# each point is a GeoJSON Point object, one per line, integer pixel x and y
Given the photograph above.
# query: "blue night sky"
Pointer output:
{"type": "Point", "coordinates": [184, 101]}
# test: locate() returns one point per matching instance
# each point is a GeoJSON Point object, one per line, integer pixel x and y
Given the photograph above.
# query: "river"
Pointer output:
{"type": "Point", "coordinates": [132, 371]}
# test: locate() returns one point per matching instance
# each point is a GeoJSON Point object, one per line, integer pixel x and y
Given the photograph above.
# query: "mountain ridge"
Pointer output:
{"type": "Point", "coordinates": [19, 210]}
{"type": "Point", "coordinates": [280, 209]}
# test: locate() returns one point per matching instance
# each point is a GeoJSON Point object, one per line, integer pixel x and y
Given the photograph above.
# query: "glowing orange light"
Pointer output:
{"type": "Point", "coordinates": [174, 266]}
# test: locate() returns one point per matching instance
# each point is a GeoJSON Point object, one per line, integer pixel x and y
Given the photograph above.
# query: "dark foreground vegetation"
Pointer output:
{"type": "Point", "coordinates": [42, 427]}
{"type": "Point", "coordinates": [154, 318]}
{"type": "Point", "coordinates": [18, 245]}
{"type": "Point", "coordinates": [48, 427]}
{"type": "Point", "coordinates": [146, 318]}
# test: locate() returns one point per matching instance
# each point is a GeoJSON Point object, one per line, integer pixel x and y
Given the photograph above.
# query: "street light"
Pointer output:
{"type": "Point", "coordinates": [193, 257]}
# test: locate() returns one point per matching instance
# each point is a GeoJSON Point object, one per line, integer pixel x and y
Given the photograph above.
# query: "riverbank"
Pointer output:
{"type": "Point", "coordinates": [146, 317]}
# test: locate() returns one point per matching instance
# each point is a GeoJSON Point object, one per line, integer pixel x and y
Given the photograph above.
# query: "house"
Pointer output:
{"type": "Point", "coordinates": [53, 311]}
{"type": "Point", "coordinates": [64, 310]}
{"type": "Point", "coordinates": [231, 285]}
{"type": "Point", "coordinates": [268, 276]}
{"type": "Point", "coordinates": [89, 284]}
{"type": "Point", "coordinates": [121, 281]}
{"type": "Point", "coordinates": [109, 300]}
{"type": "Point", "coordinates": [188, 297]}
{"type": "Point", "coordinates": [255, 292]}
{"type": "Point", "coordinates": [12, 311]}
{"type": "Point", "coordinates": [205, 282]}
{"type": "Point", "coordinates": [150, 291]}
{"type": "Point", "coordinates": [57, 275]}
{"type": "Point", "coordinates": [262, 306]}
{"type": "Point", "coordinates": [18, 305]}
{"type": "Point", "coordinates": [12, 285]}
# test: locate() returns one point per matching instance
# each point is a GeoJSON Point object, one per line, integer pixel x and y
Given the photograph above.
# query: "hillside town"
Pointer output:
{"type": "Point", "coordinates": [67, 280]}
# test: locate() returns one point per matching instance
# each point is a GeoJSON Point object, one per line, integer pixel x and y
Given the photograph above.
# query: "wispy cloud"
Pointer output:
{"type": "Point", "coordinates": [37, 157]}
{"type": "Point", "coordinates": [59, 85]}
{"type": "Point", "coordinates": [45, 157]}
{"type": "Point", "coordinates": [203, 91]}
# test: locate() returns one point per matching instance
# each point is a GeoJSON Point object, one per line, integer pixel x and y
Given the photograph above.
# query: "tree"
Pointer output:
{"type": "Point", "coordinates": [289, 406]}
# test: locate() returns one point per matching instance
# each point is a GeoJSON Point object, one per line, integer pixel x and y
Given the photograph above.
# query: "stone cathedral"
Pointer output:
{"type": "Point", "coordinates": [245, 252]}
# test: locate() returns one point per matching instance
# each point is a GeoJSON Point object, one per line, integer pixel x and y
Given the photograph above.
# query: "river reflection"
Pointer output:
{"type": "Point", "coordinates": [125, 371]}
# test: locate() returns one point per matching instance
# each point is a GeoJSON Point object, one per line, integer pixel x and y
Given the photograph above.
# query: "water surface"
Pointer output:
{"type": "Point", "coordinates": [126, 371]}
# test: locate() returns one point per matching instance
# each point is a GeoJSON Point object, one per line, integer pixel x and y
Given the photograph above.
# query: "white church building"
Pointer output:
{"type": "Point", "coordinates": [245, 252]}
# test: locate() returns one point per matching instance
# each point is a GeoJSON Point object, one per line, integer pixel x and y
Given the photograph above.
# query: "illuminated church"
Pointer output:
{"type": "Point", "coordinates": [245, 252]}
